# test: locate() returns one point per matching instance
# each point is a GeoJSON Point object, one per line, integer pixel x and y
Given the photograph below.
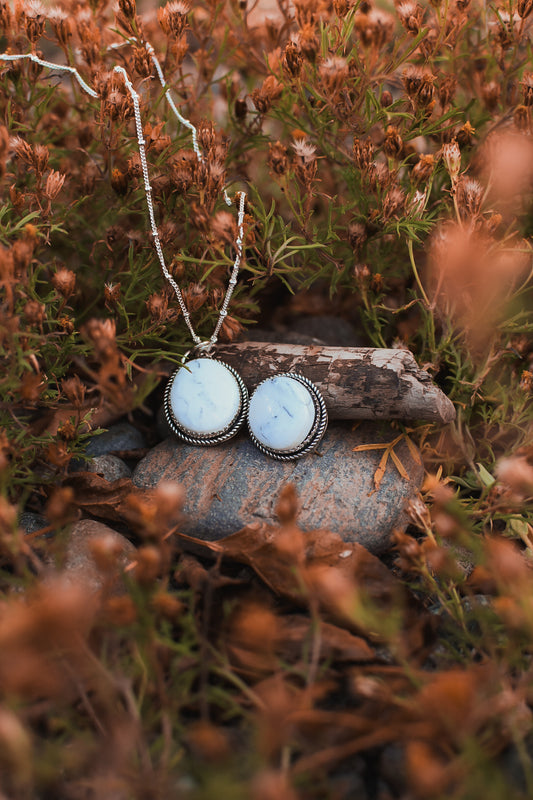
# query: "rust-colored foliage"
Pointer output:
{"type": "Point", "coordinates": [386, 151]}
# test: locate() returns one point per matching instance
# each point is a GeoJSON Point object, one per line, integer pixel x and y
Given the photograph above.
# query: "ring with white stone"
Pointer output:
{"type": "Point", "coordinates": [287, 416]}
{"type": "Point", "coordinates": [206, 402]}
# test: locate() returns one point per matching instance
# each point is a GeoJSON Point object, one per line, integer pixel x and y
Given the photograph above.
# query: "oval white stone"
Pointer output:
{"type": "Point", "coordinates": [282, 413]}
{"type": "Point", "coordinates": [205, 397]}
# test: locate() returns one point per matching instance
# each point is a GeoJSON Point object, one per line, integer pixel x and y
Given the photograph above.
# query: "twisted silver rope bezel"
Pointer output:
{"type": "Point", "coordinates": [316, 433]}
{"type": "Point", "coordinates": [220, 436]}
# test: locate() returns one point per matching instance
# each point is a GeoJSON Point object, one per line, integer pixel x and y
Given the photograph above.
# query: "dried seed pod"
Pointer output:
{"type": "Point", "coordinates": [173, 18]}
{"type": "Point", "coordinates": [270, 91]}
{"type": "Point", "coordinates": [393, 142]}
{"type": "Point", "coordinates": [451, 155]}
{"type": "Point", "coordinates": [423, 169]}
{"type": "Point", "coordinates": [292, 60]}
{"type": "Point", "coordinates": [363, 153]}
{"type": "Point", "coordinates": [446, 90]}
{"type": "Point", "coordinates": [64, 281]}
{"type": "Point", "coordinates": [54, 184]}
{"type": "Point", "coordinates": [469, 197]}
{"type": "Point", "coordinates": [411, 16]}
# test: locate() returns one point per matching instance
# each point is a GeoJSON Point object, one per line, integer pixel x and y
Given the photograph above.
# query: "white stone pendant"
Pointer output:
{"type": "Point", "coordinates": [206, 402]}
{"type": "Point", "coordinates": [287, 416]}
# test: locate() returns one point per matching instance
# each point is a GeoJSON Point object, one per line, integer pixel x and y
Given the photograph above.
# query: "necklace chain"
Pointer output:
{"type": "Point", "coordinates": [146, 179]}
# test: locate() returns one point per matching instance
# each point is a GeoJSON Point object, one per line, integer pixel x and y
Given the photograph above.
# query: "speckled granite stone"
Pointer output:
{"type": "Point", "coordinates": [234, 484]}
{"type": "Point", "coordinates": [109, 466]}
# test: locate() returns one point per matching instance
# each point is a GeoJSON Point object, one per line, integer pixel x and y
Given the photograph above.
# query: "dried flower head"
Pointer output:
{"type": "Point", "coordinates": [34, 18]}
{"type": "Point", "coordinates": [424, 167]}
{"type": "Point", "coordinates": [375, 27]}
{"type": "Point", "coordinates": [194, 296]}
{"type": "Point", "coordinates": [173, 18]}
{"type": "Point", "coordinates": [157, 305]}
{"type": "Point", "coordinates": [417, 204]}
{"type": "Point", "coordinates": [231, 328]}
{"type": "Point", "coordinates": [22, 149]}
{"type": "Point", "coordinates": [308, 42]}
{"type": "Point", "coordinates": [393, 203]}
{"type": "Point", "coordinates": [64, 281]}
{"type": "Point", "coordinates": [451, 155]}
{"type": "Point", "coordinates": [491, 94]}
{"type": "Point", "coordinates": [357, 235]}
{"type": "Point", "coordinates": [292, 60]}
{"type": "Point", "coordinates": [517, 474]}
{"type": "Point", "coordinates": [54, 184]}
{"type": "Point", "coordinates": [112, 293]}
{"type": "Point", "coordinates": [393, 142]}
{"type": "Point", "coordinates": [74, 390]}
{"type": "Point", "coordinates": [278, 161]}
{"type": "Point", "coordinates": [223, 228]}
{"type": "Point", "coordinates": [102, 334]}
{"type": "Point", "coordinates": [61, 24]}
{"type": "Point", "coordinates": [5, 15]}
{"type": "Point", "coordinates": [304, 151]}
{"type": "Point", "coordinates": [522, 119]}
{"type": "Point", "coordinates": [363, 153]}
{"type": "Point", "coordinates": [411, 16]}
{"type": "Point", "coordinates": [269, 92]}
{"type": "Point", "coordinates": [333, 73]}
{"type": "Point", "coordinates": [446, 90]}
{"type": "Point", "coordinates": [469, 197]}
{"type": "Point", "coordinates": [34, 312]}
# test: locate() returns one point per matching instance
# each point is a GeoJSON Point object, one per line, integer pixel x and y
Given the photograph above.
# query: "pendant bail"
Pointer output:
{"type": "Point", "coordinates": [202, 350]}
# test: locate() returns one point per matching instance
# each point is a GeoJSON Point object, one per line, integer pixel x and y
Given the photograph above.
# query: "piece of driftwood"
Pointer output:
{"type": "Point", "coordinates": [356, 382]}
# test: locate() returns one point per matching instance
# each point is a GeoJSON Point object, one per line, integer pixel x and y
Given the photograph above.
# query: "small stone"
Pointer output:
{"type": "Point", "coordinates": [234, 484]}
{"type": "Point", "coordinates": [79, 564]}
{"type": "Point", "coordinates": [110, 467]}
{"type": "Point", "coordinates": [282, 413]}
{"type": "Point", "coordinates": [121, 436]}
{"type": "Point", "coordinates": [30, 522]}
{"type": "Point", "coordinates": [205, 397]}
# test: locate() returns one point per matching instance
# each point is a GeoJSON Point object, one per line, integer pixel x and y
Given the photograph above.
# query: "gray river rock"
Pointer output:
{"type": "Point", "coordinates": [234, 485]}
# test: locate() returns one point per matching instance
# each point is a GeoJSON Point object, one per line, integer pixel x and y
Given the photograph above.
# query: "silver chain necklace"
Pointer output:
{"type": "Point", "coordinates": [206, 401]}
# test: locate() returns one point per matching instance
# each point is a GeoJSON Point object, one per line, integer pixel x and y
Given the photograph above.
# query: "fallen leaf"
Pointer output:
{"type": "Point", "coordinates": [256, 546]}
{"type": "Point", "coordinates": [336, 644]}
{"type": "Point", "coordinates": [104, 499]}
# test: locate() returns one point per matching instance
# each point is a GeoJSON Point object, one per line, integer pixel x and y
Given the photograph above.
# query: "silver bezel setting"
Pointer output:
{"type": "Point", "coordinates": [316, 433]}
{"type": "Point", "coordinates": [219, 436]}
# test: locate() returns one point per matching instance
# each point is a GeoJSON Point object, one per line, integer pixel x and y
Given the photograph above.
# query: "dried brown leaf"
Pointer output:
{"type": "Point", "coordinates": [104, 499]}
{"type": "Point", "coordinates": [336, 644]}
{"type": "Point", "coordinates": [256, 546]}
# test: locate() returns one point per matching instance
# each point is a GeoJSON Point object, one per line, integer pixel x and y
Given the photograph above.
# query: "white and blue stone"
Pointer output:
{"type": "Point", "coordinates": [282, 413]}
{"type": "Point", "coordinates": [204, 398]}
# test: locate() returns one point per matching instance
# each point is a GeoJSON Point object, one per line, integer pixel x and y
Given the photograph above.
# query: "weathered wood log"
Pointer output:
{"type": "Point", "coordinates": [356, 382]}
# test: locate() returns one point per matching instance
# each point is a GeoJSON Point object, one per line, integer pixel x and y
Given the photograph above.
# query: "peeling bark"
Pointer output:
{"type": "Point", "coordinates": [356, 382]}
